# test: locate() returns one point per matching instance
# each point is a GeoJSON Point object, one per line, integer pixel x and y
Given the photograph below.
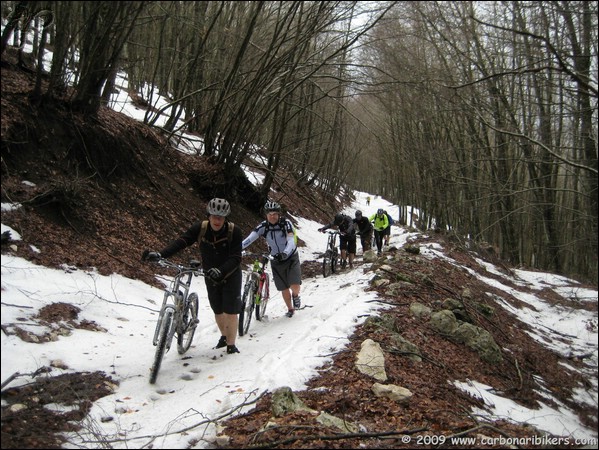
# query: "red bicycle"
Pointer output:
{"type": "Point", "coordinates": [256, 293]}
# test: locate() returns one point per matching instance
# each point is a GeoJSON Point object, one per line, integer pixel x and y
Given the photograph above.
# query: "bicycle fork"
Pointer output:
{"type": "Point", "coordinates": [171, 326]}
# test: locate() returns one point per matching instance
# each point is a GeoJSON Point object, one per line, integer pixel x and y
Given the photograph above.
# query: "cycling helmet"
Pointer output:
{"type": "Point", "coordinates": [358, 214]}
{"type": "Point", "coordinates": [218, 207]}
{"type": "Point", "coordinates": [272, 206]}
{"type": "Point", "coordinates": [338, 219]}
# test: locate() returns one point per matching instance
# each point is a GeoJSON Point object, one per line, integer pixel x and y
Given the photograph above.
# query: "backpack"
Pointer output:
{"type": "Point", "coordinates": [391, 221]}
{"type": "Point", "coordinates": [205, 227]}
{"type": "Point", "coordinates": [267, 229]}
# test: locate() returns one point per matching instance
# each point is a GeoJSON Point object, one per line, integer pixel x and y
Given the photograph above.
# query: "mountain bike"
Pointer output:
{"type": "Point", "coordinates": [256, 293]}
{"type": "Point", "coordinates": [331, 255]}
{"type": "Point", "coordinates": [178, 314]}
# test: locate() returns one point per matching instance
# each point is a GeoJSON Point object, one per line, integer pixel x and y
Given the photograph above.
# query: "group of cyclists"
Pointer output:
{"type": "Point", "coordinates": [379, 224]}
{"type": "Point", "coordinates": [221, 245]}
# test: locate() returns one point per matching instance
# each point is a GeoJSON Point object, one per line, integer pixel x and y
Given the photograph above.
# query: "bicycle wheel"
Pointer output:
{"type": "Point", "coordinates": [167, 322]}
{"type": "Point", "coordinates": [264, 297]}
{"type": "Point", "coordinates": [334, 261]}
{"type": "Point", "coordinates": [188, 324]}
{"type": "Point", "coordinates": [326, 264]}
{"type": "Point", "coordinates": [247, 308]}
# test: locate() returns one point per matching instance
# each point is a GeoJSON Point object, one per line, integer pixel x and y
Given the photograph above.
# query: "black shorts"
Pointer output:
{"type": "Point", "coordinates": [348, 243]}
{"type": "Point", "coordinates": [225, 297]}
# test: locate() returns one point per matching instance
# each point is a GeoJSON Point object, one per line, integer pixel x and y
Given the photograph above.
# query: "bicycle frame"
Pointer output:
{"type": "Point", "coordinates": [178, 313]}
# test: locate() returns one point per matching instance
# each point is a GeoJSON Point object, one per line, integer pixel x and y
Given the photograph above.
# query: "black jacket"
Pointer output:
{"type": "Point", "coordinates": [346, 227]}
{"type": "Point", "coordinates": [215, 249]}
{"type": "Point", "coordinates": [364, 225]}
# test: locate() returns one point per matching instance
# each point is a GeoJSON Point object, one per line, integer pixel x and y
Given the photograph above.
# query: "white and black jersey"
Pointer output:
{"type": "Point", "coordinates": [280, 237]}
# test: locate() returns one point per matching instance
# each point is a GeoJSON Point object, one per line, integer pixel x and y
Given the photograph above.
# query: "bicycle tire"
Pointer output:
{"type": "Point", "coordinates": [326, 264]}
{"type": "Point", "coordinates": [167, 322]}
{"type": "Point", "coordinates": [247, 308]}
{"type": "Point", "coordinates": [264, 297]}
{"type": "Point", "coordinates": [189, 323]}
{"type": "Point", "coordinates": [334, 261]}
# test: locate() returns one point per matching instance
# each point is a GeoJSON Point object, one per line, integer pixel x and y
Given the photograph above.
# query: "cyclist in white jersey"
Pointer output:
{"type": "Point", "coordinates": [280, 237]}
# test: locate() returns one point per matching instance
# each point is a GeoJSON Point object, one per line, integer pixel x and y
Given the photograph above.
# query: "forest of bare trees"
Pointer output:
{"type": "Point", "coordinates": [483, 115]}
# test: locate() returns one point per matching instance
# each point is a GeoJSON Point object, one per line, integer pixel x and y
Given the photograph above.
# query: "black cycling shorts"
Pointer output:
{"type": "Point", "coordinates": [348, 243]}
{"type": "Point", "coordinates": [225, 297]}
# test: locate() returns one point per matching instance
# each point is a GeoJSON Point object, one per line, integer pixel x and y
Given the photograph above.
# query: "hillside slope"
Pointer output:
{"type": "Point", "coordinates": [100, 204]}
{"type": "Point", "coordinates": [96, 192]}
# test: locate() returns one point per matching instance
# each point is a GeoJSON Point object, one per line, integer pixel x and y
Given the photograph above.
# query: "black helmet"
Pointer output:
{"type": "Point", "coordinates": [380, 212]}
{"type": "Point", "coordinates": [218, 207]}
{"type": "Point", "coordinates": [272, 206]}
{"type": "Point", "coordinates": [358, 214]}
{"type": "Point", "coordinates": [338, 219]}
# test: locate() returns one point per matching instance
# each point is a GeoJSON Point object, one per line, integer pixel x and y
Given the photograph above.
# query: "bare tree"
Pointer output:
{"type": "Point", "coordinates": [485, 105]}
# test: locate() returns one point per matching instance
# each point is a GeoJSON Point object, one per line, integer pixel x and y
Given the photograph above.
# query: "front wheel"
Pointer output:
{"type": "Point", "coordinates": [264, 297]}
{"type": "Point", "coordinates": [163, 335]}
{"type": "Point", "coordinates": [188, 324]}
{"type": "Point", "coordinates": [247, 309]}
{"type": "Point", "coordinates": [327, 264]}
{"type": "Point", "coordinates": [334, 261]}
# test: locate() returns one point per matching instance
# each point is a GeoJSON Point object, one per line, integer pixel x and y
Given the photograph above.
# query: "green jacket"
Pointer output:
{"type": "Point", "coordinates": [380, 223]}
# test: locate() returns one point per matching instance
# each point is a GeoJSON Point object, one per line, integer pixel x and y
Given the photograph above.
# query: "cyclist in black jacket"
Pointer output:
{"type": "Point", "coordinates": [221, 260]}
{"type": "Point", "coordinates": [364, 230]}
{"type": "Point", "coordinates": [347, 237]}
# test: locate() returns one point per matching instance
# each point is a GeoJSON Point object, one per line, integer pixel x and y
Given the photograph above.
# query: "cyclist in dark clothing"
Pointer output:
{"type": "Point", "coordinates": [347, 237]}
{"type": "Point", "coordinates": [220, 249]}
{"type": "Point", "coordinates": [364, 230]}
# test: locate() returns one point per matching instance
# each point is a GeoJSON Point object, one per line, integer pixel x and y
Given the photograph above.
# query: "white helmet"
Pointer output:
{"type": "Point", "coordinates": [272, 206]}
{"type": "Point", "coordinates": [218, 207]}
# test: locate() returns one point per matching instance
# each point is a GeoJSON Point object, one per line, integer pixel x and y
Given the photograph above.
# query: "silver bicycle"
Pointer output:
{"type": "Point", "coordinates": [331, 255]}
{"type": "Point", "coordinates": [178, 314]}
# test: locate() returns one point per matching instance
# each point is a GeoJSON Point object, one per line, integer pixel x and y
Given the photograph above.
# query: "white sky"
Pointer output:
{"type": "Point", "coordinates": [206, 383]}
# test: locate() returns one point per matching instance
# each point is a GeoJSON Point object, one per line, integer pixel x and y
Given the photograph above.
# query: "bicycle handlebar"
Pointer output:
{"type": "Point", "coordinates": [258, 255]}
{"type": "Point", "coordinates": [194, 266]}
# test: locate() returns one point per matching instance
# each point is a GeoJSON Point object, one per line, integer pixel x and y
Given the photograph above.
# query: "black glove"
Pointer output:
{"type": "Point", "coordinates": [321, 230]}
{"type": "Point", "coordinates": [147, 255]}
{"type": "Point", "coordinates": [214, 274]}
{"type": "Point", "coordinates": [280, 257]}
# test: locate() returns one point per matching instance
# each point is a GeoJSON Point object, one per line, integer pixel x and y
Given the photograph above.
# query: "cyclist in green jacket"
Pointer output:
{"type": "Point", "coordinates": [380, 223]}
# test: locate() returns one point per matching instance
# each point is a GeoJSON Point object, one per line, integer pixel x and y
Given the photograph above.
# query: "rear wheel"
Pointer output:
{"type": "Point", "coordinates": [189, 322]}
{"type": "Point", "coordinates": [163, 334]}
{"type": "Point", "coordinates": [264, 297]}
